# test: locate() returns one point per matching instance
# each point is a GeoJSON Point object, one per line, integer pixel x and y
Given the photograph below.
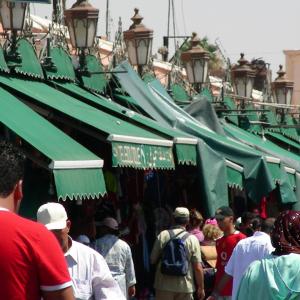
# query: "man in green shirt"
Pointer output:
{"type": "Point", "coordinates": [171, 287]}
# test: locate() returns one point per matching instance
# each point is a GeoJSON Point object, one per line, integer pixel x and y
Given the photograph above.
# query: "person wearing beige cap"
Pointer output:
{"type": "Point", "coordinates": [117, 254]}
{"type": "Point", "coordinates": [172, 283]}
{"type": "Point", "coordinates": [91, 278]}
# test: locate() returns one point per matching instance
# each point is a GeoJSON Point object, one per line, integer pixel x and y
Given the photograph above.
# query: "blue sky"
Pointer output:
{"type": "Point", "coordinates": [259, 28]}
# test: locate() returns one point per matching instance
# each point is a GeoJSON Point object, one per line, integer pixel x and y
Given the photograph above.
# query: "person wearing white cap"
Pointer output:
{"type": "Point", "coordinates": [117, 254]}
{"type": "Point", "coordinates": [171, 285]}
{"type": "Point", "coordinates": [91, 278]}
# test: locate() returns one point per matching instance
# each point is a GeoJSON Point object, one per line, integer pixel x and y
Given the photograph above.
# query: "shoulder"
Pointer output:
{"type": "Point", "coordinates": [33, 230]}
{"type": "Point", "coordinates": [192, 239]}
{"type": "Point", "coordinates": [238, 236]}
{"type": "Point", "coordinates": [122, 244]}
{"type": "Point", "coordinates": [86, 251]}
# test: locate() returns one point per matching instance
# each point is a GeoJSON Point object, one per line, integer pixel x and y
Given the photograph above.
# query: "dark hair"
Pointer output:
{"type": "Point", "coordinates": [247, 217]}
{"type": "Point", "coordinates": [12, 163]}
{"type": "Point", "coordinates": [181, 220]}
{"type": "Point", "coordinates": [256, 223]}
{"type": "Point", "coordinates": [196, 218]}
{"type": "Point", "coordinates": [268, 225]}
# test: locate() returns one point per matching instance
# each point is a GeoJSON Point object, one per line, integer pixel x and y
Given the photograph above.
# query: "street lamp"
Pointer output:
{"type": "Point", "coordinates": [196, 62]}
{"type": "Point", "coordinates": [138, 41]}
{"type": "Point", "coordinates": [243, 78]}
{"type": "Point", "coordinates": [282, 88]}
{"type": "Point", "coordinates": [12, 14]}
{"type": "Point", "coordinates": [82, 20]}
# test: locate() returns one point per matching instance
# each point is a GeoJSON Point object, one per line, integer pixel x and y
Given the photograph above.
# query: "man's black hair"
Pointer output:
{"type": "Point", "coordinates": [247, 217]}
{"type": "Point", "coordinates": [12, 163]}
{"type": "Point", "coordinates": [268, 225]}
{"type": "Point", "coordinates": [256, 223]}
{"type": "Point", "coordinates": [181, 220]}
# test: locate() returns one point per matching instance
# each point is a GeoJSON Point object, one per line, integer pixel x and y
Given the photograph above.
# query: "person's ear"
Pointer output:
{"type": "Point", "coordinates": [18, 191]}
{"type": "Point", "coordinates": [18, 195]}
{"type": "Point", "coordinates": [68, 225]}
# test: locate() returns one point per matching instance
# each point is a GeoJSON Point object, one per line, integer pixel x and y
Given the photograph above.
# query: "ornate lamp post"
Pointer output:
{"type": "Point", "coordinates": [243, 79]}
{"type": "Point", "coordinates": [282, 91]}
{"type": "Point", "coordinates": [13, 16]}
{"type": "Point", "coordinates": [138, 40]}
{"type": "Point", "coordinates": [196, 62]}
{"type": "Point", "coordinates": [82, 20]}
{"type": "Point", "coordinates": [282, 88]}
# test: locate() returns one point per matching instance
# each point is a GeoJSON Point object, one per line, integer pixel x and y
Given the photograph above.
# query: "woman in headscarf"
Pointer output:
{"type": "Point", "coordinates": [276, 277]}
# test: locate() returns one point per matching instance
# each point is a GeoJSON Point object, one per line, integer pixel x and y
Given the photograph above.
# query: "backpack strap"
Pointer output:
{"type": "Point", "coordinates": [185, 236]}
{"type": "Point", "coordinates": [173, 236]}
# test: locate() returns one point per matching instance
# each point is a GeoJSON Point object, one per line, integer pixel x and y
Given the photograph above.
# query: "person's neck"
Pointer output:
{"type": "Point", "coordinates": [67, 245]}
{"type": "Point", "coordinates": [229, 231]}
{"type": "Point", "coordinates": [8, 203]}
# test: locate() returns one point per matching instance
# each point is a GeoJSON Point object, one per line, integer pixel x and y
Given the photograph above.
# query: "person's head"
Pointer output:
{"type": "Point", "coordinates": [246, 225]}
{"type": "Point", "coordinates": [247, 218]}
{"type": "Point", "coordinates": [54, 216]}
{"type": "Point", "coordinates": [225, 218]}
{"type": "Point", "coordinates": [211, 232]}
{"type": "Point", "coordinates": [285, 236]}
{"type": "Point", "coordinates": [256, 224]}
{"type": "Point", "coordinates": [268, 225]}
{"type": "Point", "coordinates": [196, 219]}
{"type": "Point", "coordinates": [181, 216]}
{"type": "Point", "coordinates": [12, 163]}
{"type": "Point", "coordinates": [109, 226]}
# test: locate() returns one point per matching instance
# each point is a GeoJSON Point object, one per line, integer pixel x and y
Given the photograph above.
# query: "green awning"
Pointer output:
{"type": "Point", "coordinates": [95, 80]}
{"type": "Point", "coordinates": [141, 156]}
{"type": "Point", "coordinates": [185, 145]}
{"type": "Point", "coordinates": [29, 64]}
{"type": "Point", "coordinates": [231, 116]}
{"type": "Point", "coordinates": [111, 127]}
{"type": "Point", "coordinates": [290, 132]}
{"type": "Point", "coordinates": [186, 154]}
{"type": "Point", "coordinates": [128, 102]}
{"type": "Point", "coordinates": [179, 94]}
{"type": "Point", "coordinates": [3, 65]}
{"type": "Point", "coordinates": [235, 178]}
{"type": "Point", "coordinates": [77, 171]}
{"type": "Point", "coordinates": [62, 67]}
{"type": "Point", "coordinates": [273, 153]}
{"type": "Point", "coordinates": [281, 138]}
{"type": "Point", "coordinates": [207, 93]}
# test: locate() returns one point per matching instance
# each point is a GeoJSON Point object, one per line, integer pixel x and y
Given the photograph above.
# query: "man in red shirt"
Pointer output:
{"type": "Point", "coordinates": [225, 246]}
{"type": "Point", "coordinates": [32, 264]}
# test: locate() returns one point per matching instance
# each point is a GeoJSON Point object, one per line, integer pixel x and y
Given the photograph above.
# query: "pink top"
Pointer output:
{"type": "Point", "coordinates": [197, 233]}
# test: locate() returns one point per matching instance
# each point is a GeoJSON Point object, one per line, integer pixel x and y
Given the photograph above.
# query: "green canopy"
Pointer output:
{"type": "Point", "coordinates": [185, 145]}
{"type": "Point", "coordinates": [179, 94]}
{"type": "Point", "coordinates": [277, 169]}
{"type": "Point", "coordinates": [288, 142]}
{"type": "Point", "coordinates": [95, 79]}
{"type": "Point", "coordinates": [77, 171]}
{"type": "Point", "coordinates": [290, 132]}
{"type": "Point", "coordinates": [132, 146]}
{"type": "Point", "coordinates": [29, 64]}
{"type": "Point", "coordinates": [62, 67]}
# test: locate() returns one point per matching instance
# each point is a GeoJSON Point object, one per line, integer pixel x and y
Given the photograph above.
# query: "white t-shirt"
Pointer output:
{"type": "Point", "coordinates": [91, 277]}
{"type": "Point", "coordinates": [245, 252]}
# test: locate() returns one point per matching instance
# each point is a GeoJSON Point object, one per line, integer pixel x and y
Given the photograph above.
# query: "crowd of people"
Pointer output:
{"type": "Point", "coordinates": [220, 258]}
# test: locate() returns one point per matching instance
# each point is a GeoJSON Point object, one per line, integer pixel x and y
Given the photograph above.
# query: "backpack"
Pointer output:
{"type": "Point", "coordinates": [174, 260]}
